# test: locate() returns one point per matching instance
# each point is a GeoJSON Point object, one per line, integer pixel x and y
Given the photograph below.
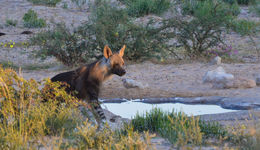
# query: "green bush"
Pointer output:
{"type": "Point", "coordinates": [31, 20]}
{"type": "Point", "coordinates": [256, 7]}
{"type": "Point", "coordinates": [45, 2]}
{"type": "Point", "coordinates": [245, 27]}
{"type": "Point", "coordinates": [231, 2]}
{"type": "Point", "coordinates": [240, 2]}
{"type": "Point", "coordinates": [144, 7]}
{"type": "Point", "coordinates": [79, 3]}
{"type": "Point", "coordinates": [8, 64]}
{"type": "Point", "coordinates": [243, 2]}
{"type": "Point", "coordinates": [10, 22]}
{"type": "Point", "coordinates": [189, 7]}
{"type": "Point", "coordinates": [250, 29]}
{"type": "Point", "coordinates": [177, 127]}
{"type": "Point", "coordinates": [204, 30]}
{"type": "Point", "coordinates": [235, 9]}
{"type": "Point", "coordinates": [106, 26]}
{"type": "Point", "coordinates": [67, 47]}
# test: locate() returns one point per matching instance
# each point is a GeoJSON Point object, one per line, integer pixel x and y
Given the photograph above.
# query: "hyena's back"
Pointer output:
{"type": "Point", "coordinates": [64, 77]}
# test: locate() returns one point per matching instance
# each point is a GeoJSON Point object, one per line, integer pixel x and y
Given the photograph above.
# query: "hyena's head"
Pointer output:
{"type": "Point", "coordinates": [115, 61]}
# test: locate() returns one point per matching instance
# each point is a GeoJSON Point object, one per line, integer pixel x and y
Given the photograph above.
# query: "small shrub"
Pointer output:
{"type": "Point", "coordinates": [177, 127]}
{"type": "Point", "coordinates": [65, 5]}
{"type": "Point", "coordinates": [10, 44]}
{"type": "Point", "coordinates": [243, 2]}
{"type": "Point", "coordinates": [139, 8]}
{"type": "Point", "coordinates": [23, 116]}
{"type": "Point", "coordinates": [250, 29]}
{"type": "Point", "coordinates": [31, 20]}
{"type": "Point", "coordinates": [235, 9]}
{"type": "Point", "coordinates": [67, 47]}
{"type": "Point", "coordinates": [204, 30]}
{"type": "Point", "coordinates": [80, 3]}
{"type": "Point", "coordinates": [231, 2]}
{"type": "Point", "coordinates": [189, 7]}
{"type": "Point", "coordinates": [245, 27]}
{"type": "Point", "coordinates": [10, 22]}
{"type": "Point", "coordinates": [256, 7]}
{"type": "Point", "coordinates": [240, 2]}
{"type": "Point", "coordinates": [89, 138]}
{"type": "Point", "coordinates": [45, 2]}
{"type": "Point", "coordinates": [8, 64]}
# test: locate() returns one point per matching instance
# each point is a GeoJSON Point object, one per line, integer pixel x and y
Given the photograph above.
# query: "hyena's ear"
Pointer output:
{"type": "Point", "coordinates": [121, 52]}
{"type": "Point", "coordinates": [107, 52]}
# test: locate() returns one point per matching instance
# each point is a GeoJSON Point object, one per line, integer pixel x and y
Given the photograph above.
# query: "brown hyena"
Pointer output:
{"type": "Point", "coordinates": [87, 80]}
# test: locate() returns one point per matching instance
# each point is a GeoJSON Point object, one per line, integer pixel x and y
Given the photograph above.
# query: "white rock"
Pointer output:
{"type": "Point", "coordinates": [216, 61]}
{"type": "Point", "coordinates": [217, 76]}
{"type": "Point", "coordinates": [130, 83]}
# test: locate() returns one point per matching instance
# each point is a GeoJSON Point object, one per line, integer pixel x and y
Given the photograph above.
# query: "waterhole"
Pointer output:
{"type": "Point", "coordinates": [130, 109]}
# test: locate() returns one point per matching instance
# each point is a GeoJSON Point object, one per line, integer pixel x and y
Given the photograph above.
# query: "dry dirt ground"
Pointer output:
{"type": "Point", "coordinates": [170, 80]}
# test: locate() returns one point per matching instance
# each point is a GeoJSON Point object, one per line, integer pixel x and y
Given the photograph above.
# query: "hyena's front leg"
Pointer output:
{"type": "Point", "coordinates": [98, 109]}
{"type": "Point", "coordinates": [95, 106]}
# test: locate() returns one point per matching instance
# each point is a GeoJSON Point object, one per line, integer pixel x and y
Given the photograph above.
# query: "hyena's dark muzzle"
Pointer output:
{"type": "Point", "coordinates": [118, 70]}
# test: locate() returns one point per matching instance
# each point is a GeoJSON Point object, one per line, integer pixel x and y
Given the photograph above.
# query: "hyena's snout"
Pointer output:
{"type": "Point", "coordinates": [119, 71]}
{"type": "Point", "coordinates": [122, 72]}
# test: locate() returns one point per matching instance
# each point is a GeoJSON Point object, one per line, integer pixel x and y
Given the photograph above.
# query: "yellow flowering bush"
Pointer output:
{"type": "Point", "coordinates": [32, 117]}
{"type": "Point", "coordinates": [12, 44]}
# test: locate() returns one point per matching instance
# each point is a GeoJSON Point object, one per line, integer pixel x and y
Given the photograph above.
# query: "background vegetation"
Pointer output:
{"type": "Point", "coordinates": [45, 2]}
{"type": "Point", "coordinates": [10, 22]}
{"type": "Point", "coordinates": [31, 20]}
{"type": "Point", "coordinates": [137, 8]}
{"type": "Point", "coordinates": [199, 27]}
{"type": "Point", "coordinates": [87, 41]}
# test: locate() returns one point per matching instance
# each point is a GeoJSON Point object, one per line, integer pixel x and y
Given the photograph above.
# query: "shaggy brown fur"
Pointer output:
{"type": "Point", "coordinates": [87, 79]}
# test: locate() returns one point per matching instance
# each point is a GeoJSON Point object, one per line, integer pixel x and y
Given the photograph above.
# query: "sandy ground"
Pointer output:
{"type": "Point", "coordinates": [182, 80]}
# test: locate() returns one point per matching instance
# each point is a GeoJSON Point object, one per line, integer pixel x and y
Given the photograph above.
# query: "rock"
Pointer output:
{"type": "Point", "coordinates": [242, 83]}
{"type": "Point", "coordinates": [216, 61]}
{"type": "Point", "coordinates": [113, 100]}
{"type": "Point", "coordinates": [217, 76]}
{"type": "Point", "coordinates": [130, 83]}
{"type": "Point", "coordinates": [242, 103]}
{"type": "Point", "coordinates": [222, 80]}
{"type": "Point", "coordinates": [258, 81]}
